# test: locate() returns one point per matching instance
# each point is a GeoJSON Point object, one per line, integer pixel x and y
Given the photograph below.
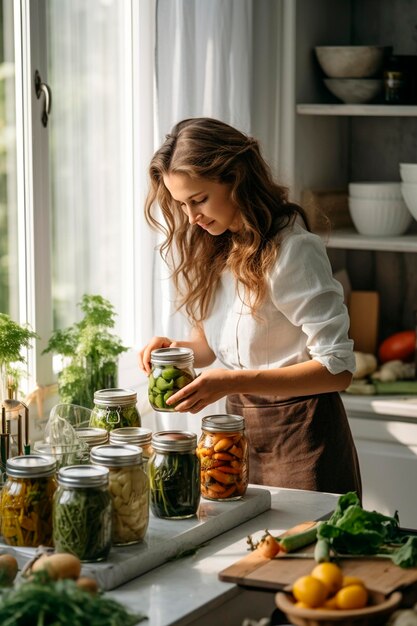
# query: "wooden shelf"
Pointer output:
{"type": "Point", "coordinates": [381, 110]}
{"type": "Point", "coordinates": [351, 240]}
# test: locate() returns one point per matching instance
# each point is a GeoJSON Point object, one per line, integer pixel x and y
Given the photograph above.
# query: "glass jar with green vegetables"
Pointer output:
{"type": "Point", "coordinates": [82, 512]}
{"type": "Point", "coordinates": [129, 490]}
{"type": "Point", "coordinates": [26, 501]}
{"type": "Point", "coordinates": [114, 408]}
{"type": "Point", "coordinates": [171, 370]}
{"type": "Point", "coordinates": [174, 475]}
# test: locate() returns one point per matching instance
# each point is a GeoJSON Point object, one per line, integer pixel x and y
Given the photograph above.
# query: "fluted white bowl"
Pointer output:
{"type": "Point", "coordinates": [408, 172]}
{"type": "Point", "coordinates": [380, 218]}
{"type": "Point", "coordinates": [409, 191]}
{"type": "Point", "coordinates": [376, 190]}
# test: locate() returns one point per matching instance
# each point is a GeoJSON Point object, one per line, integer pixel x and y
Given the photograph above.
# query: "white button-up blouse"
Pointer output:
{"type": "Point", "coordinates": [303, 316]}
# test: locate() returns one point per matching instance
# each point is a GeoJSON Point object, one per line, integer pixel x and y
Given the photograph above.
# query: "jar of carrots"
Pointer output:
{"type": "Point", "coordinates": [223, 453]}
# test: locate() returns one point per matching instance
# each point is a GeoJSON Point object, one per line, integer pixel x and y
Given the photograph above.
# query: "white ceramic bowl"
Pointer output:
{"type": "Point", "coordinates": [375, 190]}
{"type": "Point", "coordinates": [408, 172]}
{"type": "Point", "coordinates": [380, 218]}
{"type": "Point", "coordinates": [354, 90]}
{"type": "Point", "coordinates": [409, 191]}
{"type": "Point", "coordinates": [351, 61]}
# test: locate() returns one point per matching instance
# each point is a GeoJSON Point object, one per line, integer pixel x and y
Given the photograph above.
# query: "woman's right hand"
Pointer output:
{"type": "Point", "coordinates": [145, 354]}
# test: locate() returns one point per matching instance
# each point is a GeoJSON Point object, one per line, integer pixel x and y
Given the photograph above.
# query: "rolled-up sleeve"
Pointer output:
{"type": "Point", "coordinates": [304, 290]}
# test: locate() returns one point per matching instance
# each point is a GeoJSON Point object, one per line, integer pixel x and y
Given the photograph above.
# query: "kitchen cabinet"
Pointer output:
{"type": "Point", "coordinates": [329, 144]}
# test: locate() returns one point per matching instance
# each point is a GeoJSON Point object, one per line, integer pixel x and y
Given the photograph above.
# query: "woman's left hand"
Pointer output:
{"type": "Point", "coordinates": [208, 387]}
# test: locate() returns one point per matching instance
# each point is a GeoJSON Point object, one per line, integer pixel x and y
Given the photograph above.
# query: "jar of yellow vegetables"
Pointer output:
{"type": "Point", "coordinates": [26, 501]}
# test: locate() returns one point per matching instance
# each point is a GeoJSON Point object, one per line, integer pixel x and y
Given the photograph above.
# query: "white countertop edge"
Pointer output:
{"type": "Point", "coordinates": [181, 591]}
{"type": "Point", "coordinates": [380, 407]}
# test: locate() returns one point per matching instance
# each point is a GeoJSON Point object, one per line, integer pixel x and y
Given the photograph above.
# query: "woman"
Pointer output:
{"type": "Point", "coordinates": [258, 289]}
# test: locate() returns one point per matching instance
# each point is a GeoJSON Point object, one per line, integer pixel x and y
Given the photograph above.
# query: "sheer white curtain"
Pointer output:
{"type": "Point", "coordinates": [215, 58]}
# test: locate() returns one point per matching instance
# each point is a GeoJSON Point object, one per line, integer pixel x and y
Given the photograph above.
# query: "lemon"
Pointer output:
{"type": "Point", "coordinates": [330, 575]}
{"type": "Point", "coordinates": [309, 590]}
{"type": "Point", "coordinates": [352, 597]}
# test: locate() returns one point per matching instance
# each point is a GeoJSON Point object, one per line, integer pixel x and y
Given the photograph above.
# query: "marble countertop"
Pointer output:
{"type": "Point", "coordinates": [186, 590]}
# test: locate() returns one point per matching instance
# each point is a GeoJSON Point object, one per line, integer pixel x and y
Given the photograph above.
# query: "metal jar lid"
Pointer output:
{"type": "Point", "coordinates": [31, 466]}
{"type": "Point", "coordinates": [115, 455]}
{"type": "Point", "coordinates": [115, 397]}
{"type": "Point", "coordinates": [92, 436]}
{"type": "Point", "coordinates": [79, 476]}
{"type": "Point", "coordinates": [131, 434]}
{"type": "Point", "coordinates": [174, 441]}
{"type": "Point", "coordinates": [222, 423]}
{"type": "Point", "coordinates": [165, 356]}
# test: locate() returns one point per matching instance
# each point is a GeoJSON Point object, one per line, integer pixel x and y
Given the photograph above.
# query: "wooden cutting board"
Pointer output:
{"type": "Point", "coordinates": [254, 570]}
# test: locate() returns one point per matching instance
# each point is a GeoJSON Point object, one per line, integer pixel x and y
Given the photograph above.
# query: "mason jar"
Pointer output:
{"type": "Point", "coordinates": [174, 475]}
{"type": "Point", "coordinates": [129, 490]}
{"type": "Point", "coordinates": [92, 436]}
{"type": "Point", "coordinates": [224, 457]}
{"type": "Point", "coordinates": [26, 501]}
{"type": "Point", "coordinates": [141, 437]}
{"type": "Point", "coordinates": [82, 512]}
{"type": "Point", "coordinates": [114, 408]}
{"type": "Point", "coordinates": [171, 370]}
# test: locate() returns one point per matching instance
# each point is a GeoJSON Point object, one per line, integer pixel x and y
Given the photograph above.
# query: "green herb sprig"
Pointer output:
{"type": "Point", "coordinates": [45, 602]}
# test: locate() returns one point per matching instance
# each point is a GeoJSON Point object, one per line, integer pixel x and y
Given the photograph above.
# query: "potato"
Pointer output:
{"type": "Point", "coordinates": [58, 566]}
{"type": "Point", "coordinates": [8, 569]}
{"type": "Point", "coordinates": [87, 584]}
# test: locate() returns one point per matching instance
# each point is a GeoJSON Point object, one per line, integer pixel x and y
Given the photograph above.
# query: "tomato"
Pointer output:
{"type": "Point", "coordinates": [399, 346]}
{"type": "Point", "coordinates": [268, 547]}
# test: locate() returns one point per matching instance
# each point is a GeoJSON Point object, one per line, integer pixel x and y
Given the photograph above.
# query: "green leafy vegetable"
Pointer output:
{"type": "Point", "coordinates": [13, 339]}
{"type": "Point", "coordinates": [45, 602]}
{"type": "Point", "coordinates": [353, 530]}
{"type": "Point", "coordinates": [91, 350]}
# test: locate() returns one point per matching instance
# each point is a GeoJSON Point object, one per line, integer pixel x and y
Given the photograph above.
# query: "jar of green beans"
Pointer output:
{"type": "Point", "coordinates": [129, 490]}
{"type": "Point", "coordinates": [26, 500]}
{"type": "Point", "coordinates": [114, 408]}
{"type": "Point", "coordinates": [171, 370]}
{"type": "Point", "coordinates": [174, 475]}
{"type": "Point", "coordinates": [82, 512]}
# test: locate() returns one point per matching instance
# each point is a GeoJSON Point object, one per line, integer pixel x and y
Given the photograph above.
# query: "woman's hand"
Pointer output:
{"type": "Point", "coordinates": [208, 387]}
{"type": "Point", "coordinates": [145, 354]}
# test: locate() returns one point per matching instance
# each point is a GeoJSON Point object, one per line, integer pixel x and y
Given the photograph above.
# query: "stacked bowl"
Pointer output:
{"type": "Point", "coordinates": [353, 72]}
{"type": "Point", "coordinates": [408, 173]}
{"type": "Point", "coordinates": [378, 209]}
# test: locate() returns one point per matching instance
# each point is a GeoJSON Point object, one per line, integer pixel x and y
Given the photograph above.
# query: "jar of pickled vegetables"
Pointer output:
{"type": "Point", "coordinates": [129, 490]}
{"type": "Point", "coordinates": [26, 500]}
{"type": "Point", "coordinates": [172, 369]}
{"type": "Point", "coordinates": [82, 512]}
{"type": "Point", "coordinates": [114, 408]}
{"type": "Point", "coordinates": [223, 453]}
{"type": "Point", "coordinates": [141, 437]}
{"type": "Point", "coordinates": [92, 436]}
{"type": "Point", "coordinates": [174, 475]}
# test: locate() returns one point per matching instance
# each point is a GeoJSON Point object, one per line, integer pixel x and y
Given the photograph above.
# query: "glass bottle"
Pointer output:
{"type": "Point", "coordinates": [26, 501]}
{"type": "Point", "coordinates": [82, 512]}
{"type": "Point", "coordinates": [114, 408]}
{"type": "Point", "coordinates": [129, 490]}
{"type": "Point", "coordinates": [172, 369]}
{"type": "Point", "coordinates": [395, 81]}
{"type": "Point", "coordinates": [141, 437]}
{"type": "Point", "coordinates": [174, 475]}
{"type": "Point", "coordinates": [224, 456]}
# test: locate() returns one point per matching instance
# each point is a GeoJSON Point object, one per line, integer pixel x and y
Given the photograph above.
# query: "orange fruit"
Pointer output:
{"type": "Point", "coordinates": [309, 590]}
{"type": "Point", "coordinates": [352, 597]}
{"type": "Point", "coordinates": [330, 575]}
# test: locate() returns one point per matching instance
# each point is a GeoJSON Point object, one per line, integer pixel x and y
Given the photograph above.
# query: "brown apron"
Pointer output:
{"type": "Point", "coordinates": [299, 443]}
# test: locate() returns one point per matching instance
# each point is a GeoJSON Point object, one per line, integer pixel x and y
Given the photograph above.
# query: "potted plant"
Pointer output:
{"type": "Point", "coordinates": [13, 339]}
{"type": "Point", "coordinates": [90, 352]}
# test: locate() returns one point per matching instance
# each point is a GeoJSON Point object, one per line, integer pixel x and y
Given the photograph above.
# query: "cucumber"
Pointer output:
{"type": "Point", "coordinates": [289, 543]}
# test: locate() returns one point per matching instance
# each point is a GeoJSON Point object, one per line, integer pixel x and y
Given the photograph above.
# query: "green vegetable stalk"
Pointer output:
{"type": "Point", "coordinates": [175, 484]}
{"type": "Point", "coordinates": [82, 522]}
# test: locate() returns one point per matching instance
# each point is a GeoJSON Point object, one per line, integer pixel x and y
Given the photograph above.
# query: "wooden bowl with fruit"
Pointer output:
{"type": "Point", "coordinates": [325, 597]}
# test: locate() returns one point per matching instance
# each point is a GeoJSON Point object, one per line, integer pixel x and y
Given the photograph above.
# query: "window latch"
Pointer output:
{"type": "Point", "coordinates": [43, 88]}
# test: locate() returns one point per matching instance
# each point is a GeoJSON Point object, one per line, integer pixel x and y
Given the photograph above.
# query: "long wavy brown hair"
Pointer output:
{"type": "Point", "coordinates": [208, 148]}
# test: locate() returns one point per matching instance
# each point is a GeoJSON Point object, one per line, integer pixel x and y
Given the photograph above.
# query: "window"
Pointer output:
{"type": "Point", "coordinates": [71, 193]}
